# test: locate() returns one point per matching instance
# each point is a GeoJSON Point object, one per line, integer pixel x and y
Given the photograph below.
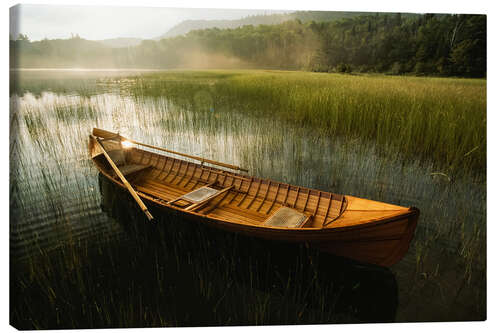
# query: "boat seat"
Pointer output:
{"type": "Point", "coordinates": [199, 197]}
{"type": "Point", "coordinates": [200, 194]}
{"type": "Point", "coordinates": [128, 169]}
{"type": "Point", "coordinates": [286, 217]}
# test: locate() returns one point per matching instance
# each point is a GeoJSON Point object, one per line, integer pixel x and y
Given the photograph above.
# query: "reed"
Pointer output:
{"type": "Point", "coordinates": [440, 120]}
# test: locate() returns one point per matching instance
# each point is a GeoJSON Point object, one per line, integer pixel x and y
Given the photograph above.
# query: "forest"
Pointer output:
{"type": "Point", "coordinates": [427, 44]}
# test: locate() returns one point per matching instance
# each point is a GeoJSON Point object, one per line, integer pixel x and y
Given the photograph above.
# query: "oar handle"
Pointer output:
{"type": "Point", "coordinates": [106, 135]}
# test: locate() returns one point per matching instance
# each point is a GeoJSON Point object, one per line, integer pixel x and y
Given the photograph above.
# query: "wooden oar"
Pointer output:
{"type": "Point", "coordinates": [106, 134]}
{"type": "Point", "coordinates": [125, 182]}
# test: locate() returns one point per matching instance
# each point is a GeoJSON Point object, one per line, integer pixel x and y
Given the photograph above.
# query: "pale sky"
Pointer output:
{"type": "Point", "coordinates": [102, 22]}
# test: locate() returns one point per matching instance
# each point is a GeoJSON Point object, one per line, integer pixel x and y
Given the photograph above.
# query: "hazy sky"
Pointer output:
{"type": "Point", "coordinates": [96, 22]}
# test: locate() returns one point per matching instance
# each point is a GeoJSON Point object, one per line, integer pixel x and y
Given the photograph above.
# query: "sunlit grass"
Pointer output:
{"type": "Point", "coordinates": [439, 120]}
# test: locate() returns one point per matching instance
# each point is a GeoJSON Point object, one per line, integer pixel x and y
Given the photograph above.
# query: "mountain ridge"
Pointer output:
{"type": "Point", "coordinates": [320, 16]}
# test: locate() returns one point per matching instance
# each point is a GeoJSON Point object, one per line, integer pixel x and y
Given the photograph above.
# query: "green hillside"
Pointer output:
{"type": "Point", "coordinates": [255, 20]}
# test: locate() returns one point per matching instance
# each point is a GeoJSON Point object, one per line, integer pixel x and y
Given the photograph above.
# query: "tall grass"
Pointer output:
{"type": "Point", "coordinates": [435, 119]}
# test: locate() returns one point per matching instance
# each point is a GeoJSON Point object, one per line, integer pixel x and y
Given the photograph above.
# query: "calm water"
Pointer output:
{"type": "Point", "coordinates": [57, 198]}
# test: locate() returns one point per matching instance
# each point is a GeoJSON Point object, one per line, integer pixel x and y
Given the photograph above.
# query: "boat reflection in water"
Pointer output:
{"type": "Point", "coordinates": [212, 277]}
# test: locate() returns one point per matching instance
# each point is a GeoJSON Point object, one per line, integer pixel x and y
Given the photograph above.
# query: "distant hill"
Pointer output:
{"type": "Point", "coordinates": [188, 25]}
{"type": "Point", "coordinates": [120, 42]}
{"type": "Point", "coordinates": [305, 16]}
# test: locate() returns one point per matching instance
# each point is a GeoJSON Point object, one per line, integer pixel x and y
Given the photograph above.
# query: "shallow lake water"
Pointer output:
{"type": "Point", "coordinates": [58, 199]}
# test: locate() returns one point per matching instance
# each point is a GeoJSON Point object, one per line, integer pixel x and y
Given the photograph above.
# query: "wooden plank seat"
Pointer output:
{"type": "Point", "coordinates": [287, 217]}
{"type": "Point", "coordinates": [200, 196]}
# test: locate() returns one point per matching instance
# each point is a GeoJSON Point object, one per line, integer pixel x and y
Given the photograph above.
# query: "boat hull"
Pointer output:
{"type": "Point", "coordinates": [383, 238]}
{"type": "Point", "coordinates": [383, 243]}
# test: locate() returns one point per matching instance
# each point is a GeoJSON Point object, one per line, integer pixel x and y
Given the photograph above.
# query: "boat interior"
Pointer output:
{"type": "Point", "coordinates": [217, 193]}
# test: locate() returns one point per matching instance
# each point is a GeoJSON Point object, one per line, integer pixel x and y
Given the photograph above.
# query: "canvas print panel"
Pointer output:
{"type": "Point", "coordinates": [368, 129]}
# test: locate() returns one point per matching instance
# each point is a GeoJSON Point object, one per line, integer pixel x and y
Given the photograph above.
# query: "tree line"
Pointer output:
{"type": "Point", "coordinates": [429, 44]}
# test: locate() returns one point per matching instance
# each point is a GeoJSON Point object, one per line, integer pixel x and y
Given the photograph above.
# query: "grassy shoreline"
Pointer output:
{"type": "Point", "coordinates": [440, 120]}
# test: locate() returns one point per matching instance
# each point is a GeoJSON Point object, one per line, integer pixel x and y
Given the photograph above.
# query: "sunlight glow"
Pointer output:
{"type": "Point", "coordinates": [127, 144]}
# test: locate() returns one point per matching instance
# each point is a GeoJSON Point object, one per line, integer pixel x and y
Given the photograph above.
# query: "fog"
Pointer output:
{"type": "Point", "coordinates": [104, 22]}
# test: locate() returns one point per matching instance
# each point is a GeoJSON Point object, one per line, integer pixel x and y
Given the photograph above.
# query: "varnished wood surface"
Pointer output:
{"type": "Point", "coordinates": [253, 198]}
{"type": "Point", "coordinates": [358, 228]}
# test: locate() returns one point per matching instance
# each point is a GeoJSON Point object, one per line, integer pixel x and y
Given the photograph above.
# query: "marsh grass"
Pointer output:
{"type": "Point", "coordinates": [436, 119]}
{"type": "Point", "coordinates": [74, 266]}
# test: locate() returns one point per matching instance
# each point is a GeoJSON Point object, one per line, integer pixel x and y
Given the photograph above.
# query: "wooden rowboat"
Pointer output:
{"type": "Point", "coordinates": [347, 226]}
